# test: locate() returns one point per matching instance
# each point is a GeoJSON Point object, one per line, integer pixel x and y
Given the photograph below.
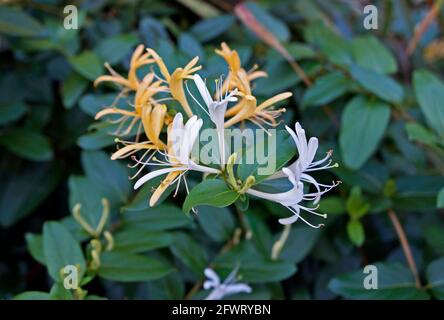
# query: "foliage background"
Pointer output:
{"type": "Point", "coordinates": [378, 107]}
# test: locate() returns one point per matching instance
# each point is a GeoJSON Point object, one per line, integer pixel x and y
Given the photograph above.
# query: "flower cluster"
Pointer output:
{"type": "Point", "coordinates": [169, 152]}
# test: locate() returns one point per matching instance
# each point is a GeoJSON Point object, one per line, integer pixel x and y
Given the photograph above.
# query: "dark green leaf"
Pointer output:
{"type": "Point", "coordinates": [137, 241]}
{"type": "Point", "coordinates": [435, 276]}
{"type": "Point", "coordinates": [279, 148]}
{"type": "Point", "coordinates": [217, 223]}
{"type": "Point", "coordinates": [371, 54]}
{"type": "Point", "coordinates": [87, 64]}
{"type": "Point", "coordinates": [380, 85]}
{"type": "Point", "coordinates": [10, 112]}
{"type": "Point", "coordinates": [213, 192]}
{"type": "Point", "coordinates": [395, 282]}
{"type": "Point", "coordinates": [429, 91]}
{"type": "Point", "coordinates": [190, 253]}
{"type": "Point", "coordinates": [118, 266]}
{"type": "Point", "coordinates": [72, 89]}
{"type": "Point", "coordinates": [114, 49]}
{"type": "Point", "coordinates": [16, 22]}
{"type": "Point", "coordinates": [33, 295]}
{"type": "Point", "coordinates": [61, 249]}
{"type": "Point", "coordinates": [162, 217]}
{"type": "Point", "coordinates": [34, 244]}
{"type": "Point", "coordinates": [28, 144]}
{"type": "Point", "coordinates": [326, 89]}
{"type": "Point", "coordinates": [363, 125]}
{"type": "Point", "coordinates": [110, 177]}
{"type": "Point", "coordinates": [24, 191]}
{"type": "Point", "coordinates": [299, 243]}
{"type": "Point", "coordinates": [208, 29]}
{"type": "Point", "coordinates": [355, 232]}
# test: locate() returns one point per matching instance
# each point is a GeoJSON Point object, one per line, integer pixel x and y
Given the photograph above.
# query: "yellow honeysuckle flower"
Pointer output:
{"type": "Point", "coordinates": [175, 79]}
{"type": "Point", "coordinates": [153, 119]}
{"type": "Point", "coordinates": [247, 108]}
{"type": "Point", "coordinates": [238, 77]}
{"type": "Point", "coordinates": [138, 60]}
{"type": "Point", "coordinates": [144, 96]}
{"type": "Point", "coordinates": [258, 114]}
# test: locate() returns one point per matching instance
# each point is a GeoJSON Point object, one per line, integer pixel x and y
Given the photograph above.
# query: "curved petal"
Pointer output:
{"type": "Point", "coordinates": [154, 174]}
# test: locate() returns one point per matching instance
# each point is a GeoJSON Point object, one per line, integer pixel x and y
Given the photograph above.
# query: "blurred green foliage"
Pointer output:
{"type": "Point", "coordinates": [378, 108]}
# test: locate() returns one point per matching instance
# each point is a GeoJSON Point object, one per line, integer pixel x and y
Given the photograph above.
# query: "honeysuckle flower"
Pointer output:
{"type": "Point", "coordinates": [237, 76]}
{"type": "Point", "coordinates": [305, 164]}
{"type": "Point", "coordinates": [264, 113]}
{"type": "Point", "coordinates": [175, 80]}
{"type": "Point", "coordinates": [290, 199]}
{"type": "Point", "coordinates": [153, 119]}
{"type": "Point", "coordinates": [216, 108]}
{"type": "Point", "coordinates": [181, 139]}
{"type": "Point", "coordinates": [247, 108]}
{"type": "Point", "coordinates": [138, 59]}
{"type": "Point", "coordinates": [144, 97]}
{"type": "Point", "coordinates": [226, 288]}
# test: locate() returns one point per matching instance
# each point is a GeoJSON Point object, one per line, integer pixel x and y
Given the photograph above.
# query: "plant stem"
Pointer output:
{"type": "Point", "coordinates": [405, 246]}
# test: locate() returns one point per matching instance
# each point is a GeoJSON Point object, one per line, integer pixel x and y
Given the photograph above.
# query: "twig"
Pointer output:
{"type": "Point", "coordinates": [423, 26]}
{"type": "Point", "coordinates": [405, 246]}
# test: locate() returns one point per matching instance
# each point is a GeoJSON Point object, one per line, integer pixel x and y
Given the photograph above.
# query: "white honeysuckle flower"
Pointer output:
{"type": "Point", "coordinates": [304, 163]}
{"type": "Point", "coordinates": [181, 139]}
{"type": "Point", "coordinates": [221, 290]}
{"type": "Point", "coordinates": [216, 108]}
{"type": "Point", "coordinates": [290, 199]}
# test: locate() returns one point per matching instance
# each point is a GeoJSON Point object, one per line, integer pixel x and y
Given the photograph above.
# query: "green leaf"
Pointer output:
{"type": "Point", "coordinates": [356, 205]}
{"type": "Point", "coordinates": [12, 111]}
{"type": "Point", "coordinates": [326, 89]}
{"type": "Point", "coordinates": [440, 199]}
{"type": "Point", "coordinates": [395, 282]}
{"type": "Point", "coordinates": [355, 231]}
{"type": "Point", "coordinates": [83, 191]}
{"type": "Point", "coordinates": [213, 192]}
{"type": "Point", "coordinates": [22, 192]}
{"type": "Point", "coordinates": [370, 53]}
{"type": "Point", "coordinates": [118, 266]}
{"type": "Point", "coordinates": [161, 217]}
{"type": "Point", "coordinates": [33, 295]}
{"type": "Point", "coordinates": [418, 133]}
{"type": "Point", "coordinates": [138, 241]}
{"type": "Point", "coordinates": [380, 85]}
{"type": "Point", "coordinates": [16, 22]}
{"type": "Point", "coordinates": [332, 205]}
{"type": "Point", "coordinates": [363, 124]}
{"type": "Point", "coordinates": [58, 292]}
{"type": "Point", "coordinates": [72, 89]}
{"type": "Point", "coordinates": [253, 267]}
{"type": "Point", "coordinates": [87, 64]}
{"type": "Point", "coordinates": [209, 29]}
{"type": "Point", "coordinates": [61, 249]}
{"type": "Point", "coordinates": [217, 223]}
{"type": "Point", "coordinates": [434, 237]}
{"type": "Point", "coordinates": [170, 287]}
{"type": "Point", "coordinates": [429, 91]}
{"type": "Point", "coordinates": [190, 253]}
{"type": "Point", "coordinates": [435, 276]}
{"type": "Point", "coordinates": [332, 45]}
{"type": "Point", "coordinates": [114, 49]}
{"type": "Point", "coordinates": [28, 144]}
{"type": "Point", "coordinates": [279, 148]}
{"type": "Point", "coordinates": [188, 44]}
{"type": "Point", "coordinates": [110, 177]}
{"type": "Point", "coordinates": [299, 243]}
{"type": "Point", "coordinates": [270, 22]}
{"type": "Point", "coordinates": [97, 139]}
{"type": "Point", "coordinates": [34, 244]}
